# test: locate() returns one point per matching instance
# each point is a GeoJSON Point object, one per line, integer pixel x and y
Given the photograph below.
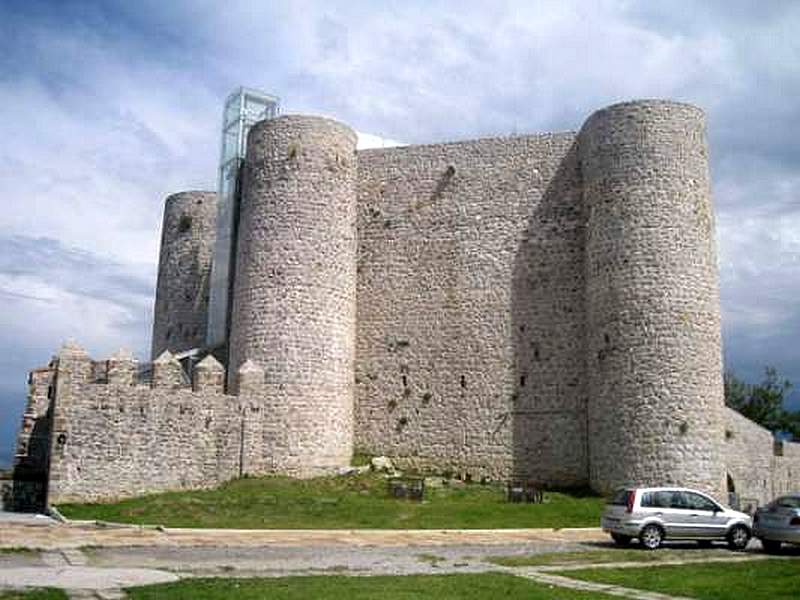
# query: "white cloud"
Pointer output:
{"type": "Point", "coordinates": [368, 140]}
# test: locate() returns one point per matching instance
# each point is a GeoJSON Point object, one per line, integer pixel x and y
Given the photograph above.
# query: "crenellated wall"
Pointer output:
{"type": "Point", "coordinates": [114, 436]}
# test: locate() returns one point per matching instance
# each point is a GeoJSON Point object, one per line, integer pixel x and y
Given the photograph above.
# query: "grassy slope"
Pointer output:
{"type": "Point", "coordinates": [341, 503]}
{"type": "Point", "coordinates": [435, 587]}
{"type": "Point", "coordinates": [762, 579]}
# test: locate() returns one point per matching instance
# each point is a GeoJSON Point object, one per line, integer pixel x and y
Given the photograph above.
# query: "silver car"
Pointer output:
{"type": "Point", "coordinates": [655, 514]}
{"type": "Point", "coordinates": [778, 522]}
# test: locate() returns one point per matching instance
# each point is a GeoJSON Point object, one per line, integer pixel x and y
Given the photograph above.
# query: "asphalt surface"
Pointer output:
{"type": "Point", "coordinates": [100, 560]}
{"type": "Point", "coordinates": [88, 556]}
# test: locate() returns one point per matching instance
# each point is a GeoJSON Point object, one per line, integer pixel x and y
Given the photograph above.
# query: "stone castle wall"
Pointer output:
{"type": "Point", "coordinates": [116, 436]}
{"type": "Point", "coordinates": [470, 308]}
{"type": "Point", "coordinates": [653, 321]}
{"type": "Point", "coordinates": [294, 304]}
{"type": "Point", "coordinates": [187, 244]}
{"type": "Point", "coordinates": [759, 468]}
{"type": "Point", "coordinates": [27, 490]}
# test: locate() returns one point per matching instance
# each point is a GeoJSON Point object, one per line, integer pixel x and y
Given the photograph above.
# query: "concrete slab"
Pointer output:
{"type": "Point", "coordinates": [17, 518]}
{"type": "Point", "coordinates": [82, 578]}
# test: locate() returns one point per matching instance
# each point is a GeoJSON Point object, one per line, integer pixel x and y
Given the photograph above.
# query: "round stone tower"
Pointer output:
{"type": "Point", "coordinates": [187, 243]}
{"type": "Point", "coordinates": [294, 304]}
{"type": "Point", "coordinates": [654, 352]}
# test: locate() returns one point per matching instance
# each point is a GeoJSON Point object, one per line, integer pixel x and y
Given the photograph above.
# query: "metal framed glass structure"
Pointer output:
{"type": "Point", "coordinates": [243, 108]}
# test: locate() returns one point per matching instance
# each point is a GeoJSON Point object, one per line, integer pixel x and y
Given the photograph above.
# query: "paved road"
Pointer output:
{"type": "Point", "coordinates": [97, 562]}
{"type": "Point", "coordinates": [102, 572]}
{"type": "Point", "coordinates": [91, 557]}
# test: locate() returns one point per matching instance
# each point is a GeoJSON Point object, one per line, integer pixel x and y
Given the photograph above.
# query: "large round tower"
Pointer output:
{"type": "Point", "coordinates": [187, 244]}
{"type": "Point", "coordinates": [294, 303]}
{"type": "Point", "coordinates": [655, 365]}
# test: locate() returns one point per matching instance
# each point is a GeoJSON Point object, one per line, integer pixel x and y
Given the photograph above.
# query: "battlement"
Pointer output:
{"type": "Point", "coordinates": [101, 429]}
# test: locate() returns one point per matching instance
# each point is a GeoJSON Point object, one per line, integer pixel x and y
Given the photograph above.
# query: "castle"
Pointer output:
{"type": "Point", "coordinates": [542, 307]}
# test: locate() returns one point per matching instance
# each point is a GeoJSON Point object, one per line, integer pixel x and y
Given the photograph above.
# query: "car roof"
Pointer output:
{"type": "Point", "coordinates": [671, 489]}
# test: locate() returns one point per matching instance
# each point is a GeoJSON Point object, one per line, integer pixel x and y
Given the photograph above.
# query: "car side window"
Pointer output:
{"type": "Point", "coordinates": [678, 500]}
{"type": "Point", "coordinates": [698, 502]}
{"type": "Point", "coordinates": [656, 500]}
{"type": "Point", "coordinates": [662, 499]}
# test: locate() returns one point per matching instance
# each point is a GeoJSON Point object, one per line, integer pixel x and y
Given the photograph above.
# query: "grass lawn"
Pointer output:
{"type": "Point", "coordinates": [345, 502]}
{"type": "Point", "coordinates": [759, 579]}
{"type": "Point", "coordinates": [43, 594]}
{"type": "Point", "coordinates": [434, 587]}
{"type": "Point", "coordinates": [609, 555]}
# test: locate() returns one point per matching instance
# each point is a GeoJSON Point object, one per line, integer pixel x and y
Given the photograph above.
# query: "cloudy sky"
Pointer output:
{"type": "Point", "coordinates": [109, 106]}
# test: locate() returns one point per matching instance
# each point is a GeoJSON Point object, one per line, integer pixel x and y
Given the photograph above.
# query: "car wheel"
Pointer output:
{"type": "Point", "coordinates": [738, 537]}
{"type": "Point", "coordinates": [621, 540]}
{"type": "Point", "coordinates": [651, 537]}
{"type": "Point", "coordinates": [771, 546]}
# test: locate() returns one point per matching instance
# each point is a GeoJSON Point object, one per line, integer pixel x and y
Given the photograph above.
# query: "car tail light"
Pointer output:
{"type": "Point", "coordinates": [795, 522]}
{"type": "Point", "coordinates": [631, 496]}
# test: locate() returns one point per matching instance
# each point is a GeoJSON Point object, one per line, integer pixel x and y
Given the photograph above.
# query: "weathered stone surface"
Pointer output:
{"type": "Point", "coordinates": [187, 243]}
{"type": "Point", "coordinates": [121, 368]}
{"type": "Point", "coordinates": [759, 468]}
{"type": "Point", "coordinates": [653, 343]}
{"type": "Point", "coordinates": [250, 378]}
{"type": "Point", "coordinates": [381, 463]}
{"type": "Point", "coordinates": [168, 372]}
{"type": "Point", "coordinates": [294, 305]}
{"type": "Point", "coordinates": [471, 308]}
{"type": "Point", "coordinates": [209, 376]}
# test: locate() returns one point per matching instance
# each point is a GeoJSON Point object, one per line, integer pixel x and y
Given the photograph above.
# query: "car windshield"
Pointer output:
{"type": "Point", "coordinates": [788, 502]}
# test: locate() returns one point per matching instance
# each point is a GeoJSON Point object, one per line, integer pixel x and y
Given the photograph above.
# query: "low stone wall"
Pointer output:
{"type": "Point", "coordinates": [759, 468]}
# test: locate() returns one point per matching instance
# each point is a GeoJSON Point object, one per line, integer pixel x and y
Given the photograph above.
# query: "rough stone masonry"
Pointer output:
{"type": "Point", "coordinates": [543, 307]}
